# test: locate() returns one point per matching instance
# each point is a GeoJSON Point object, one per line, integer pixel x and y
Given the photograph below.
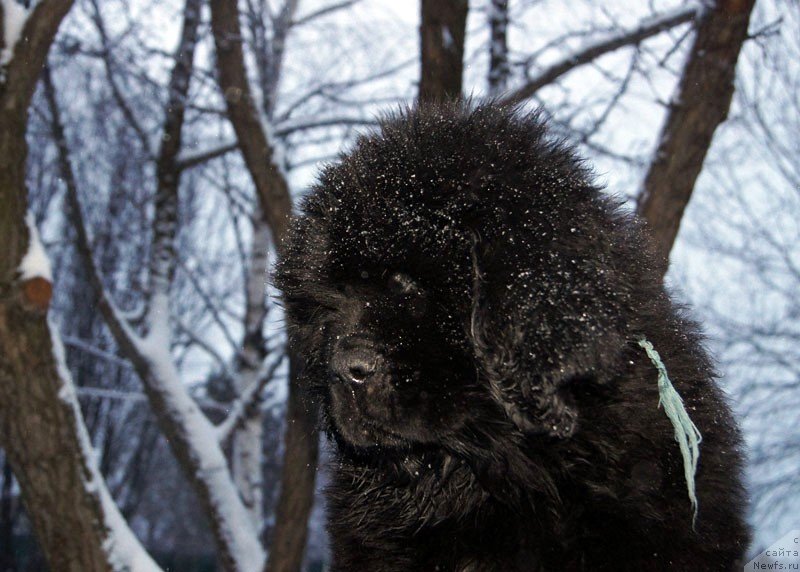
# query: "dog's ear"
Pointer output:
{"type": "Point", "coordinates": [542, 320]}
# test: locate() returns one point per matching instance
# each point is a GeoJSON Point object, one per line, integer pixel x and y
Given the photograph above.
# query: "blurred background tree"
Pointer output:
{"type": "Point", "coordinates": [168, 141]}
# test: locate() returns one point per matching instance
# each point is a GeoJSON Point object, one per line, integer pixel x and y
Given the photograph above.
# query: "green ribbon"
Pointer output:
{"type": "Point", "coordinates": [686, 432]}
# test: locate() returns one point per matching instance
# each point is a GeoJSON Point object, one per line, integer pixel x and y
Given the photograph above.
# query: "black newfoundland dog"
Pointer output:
{"type": "Point", "coordinates": [469, 306]}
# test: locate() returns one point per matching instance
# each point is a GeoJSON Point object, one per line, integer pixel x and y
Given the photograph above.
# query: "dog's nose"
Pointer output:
{"type": "Point", "coordinates": [355, 364]}
{"type": "Point", "coordinates": [358, 368]}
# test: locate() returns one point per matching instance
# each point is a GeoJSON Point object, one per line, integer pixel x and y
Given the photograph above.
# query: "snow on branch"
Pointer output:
{"type": "Point", "coordinates": [35, 263]}
{"type": "Point", "coordinates": [26, 34]}
{"type": "Point", "coordinates": [124, 551]}
{"type": "Point", "coordinates": [598, 47]}
{"type": "Point", "coordinates": [35, 275]}
{"type": "Point", "coordinates": [189, 432]}
{"type": "Point", "coordinates": [14, 16]}
{"type": "Point", "coordinates": [249, 399]}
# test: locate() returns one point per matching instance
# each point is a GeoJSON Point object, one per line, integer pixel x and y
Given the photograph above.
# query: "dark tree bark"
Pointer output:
{"type": "Point", "coordinates": [41, 429]}
{"type": "Point", "coordinates": [700, 105]}
{"type": "Point", "coordinates": [297, 482]}
{"type": "Point", "coordinates": [7, 559]}
{"type": "Point", "coordinates": [442, 48]}
{"type": "Point", "coordinates": [258, 151]}
{"type": "Point", "coordinates": [40, 438]}
{"type": "Point", "coordinates": [301, 438]}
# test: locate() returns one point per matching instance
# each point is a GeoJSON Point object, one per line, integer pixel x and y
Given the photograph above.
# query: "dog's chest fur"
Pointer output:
{"type": "Point", "coordinates": [432, 513]}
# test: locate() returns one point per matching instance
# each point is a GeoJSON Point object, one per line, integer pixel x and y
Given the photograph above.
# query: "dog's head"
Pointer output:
{"type": "Point", "coordinates": [452, 271]}
{"type": "Point", "coordinates": [381, 328]}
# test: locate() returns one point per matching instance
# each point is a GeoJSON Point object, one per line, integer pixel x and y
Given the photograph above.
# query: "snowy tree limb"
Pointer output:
{"type": "Point", "coordinates": [246, 401]}
{"type": "Point", "coordinates": [597, 48]}
{"type": "Point", "coordinates": [41, 427]}
{"type": "Point", "coordinates": [189, 432]}
{"type": "Point", "coordinates": [260, 155]}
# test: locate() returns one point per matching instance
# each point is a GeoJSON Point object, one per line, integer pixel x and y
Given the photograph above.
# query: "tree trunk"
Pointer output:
{"type": "Point", "coordinates": [297, 481]}
{"type": "Point", "coordinates": [301, 438]}
{"type": "Point", "coordinates": [7, 559]}
{"type": "Point", "coordinates": [41, 428]}
{"type": "Point", "coordinates": [247, 443]}
{"type": "Point", "coordinates": [442, 48]}
{"type": "Point", "coordinates": [41, 431]}
{"type": "Point", "coordinates": [699, 106]}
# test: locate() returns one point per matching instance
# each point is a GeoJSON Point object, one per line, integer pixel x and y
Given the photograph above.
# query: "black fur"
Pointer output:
{"type": "Point", "coordinates": [468, 304]}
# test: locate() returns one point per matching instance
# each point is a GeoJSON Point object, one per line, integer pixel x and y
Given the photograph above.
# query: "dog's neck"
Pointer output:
{"type": "Point", "coordinates": [433, 479]}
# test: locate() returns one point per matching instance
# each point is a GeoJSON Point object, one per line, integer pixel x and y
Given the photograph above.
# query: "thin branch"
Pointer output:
{"type": "Point", "coordinates": [88, 348]}
{"type": "Point", "coordinates": [116, 92]}
{"type": "Point", "coordinates": [206, 347]}
{"type": "Point", "coordinates": [597, 48]}
{"type": "Point", "coordinates": [210, 306]}
{"type": "Point", "coordinates": [296, 125]}
{"type": "Point", "coordinates": [247, 401]}
{"type": "Point", "coordinates": [324, 11]}
{"type": "Point", "coordinates": [194, 160]}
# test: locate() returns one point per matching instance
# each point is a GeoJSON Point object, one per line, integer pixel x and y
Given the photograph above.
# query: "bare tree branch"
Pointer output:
{"type": "Point", "coordinates": [324, 11]}
{"type": "Point", "coordinates": [247, 401]}
{"type": "Point", "coordinates": [600, 47]}
{"type": "Point", "coordinates": [197, 159]}
{"type": "Point", "coordinates": [116, 91]}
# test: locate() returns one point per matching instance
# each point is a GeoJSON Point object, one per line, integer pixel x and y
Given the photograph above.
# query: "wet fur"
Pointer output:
{"type": "Point", "coordinates": [517, 426]}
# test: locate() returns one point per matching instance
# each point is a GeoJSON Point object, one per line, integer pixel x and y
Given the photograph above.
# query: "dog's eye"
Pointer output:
{"type": "Point", "coordinates": [402, 284]}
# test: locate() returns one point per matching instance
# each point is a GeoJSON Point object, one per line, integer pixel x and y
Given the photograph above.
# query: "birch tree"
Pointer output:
{"type": "Point", "coordinates": [196, 443]}
{"type": "Point", "coordinates": [499, 66]}
{"type": "Point", "coordinates": [261, 157]}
